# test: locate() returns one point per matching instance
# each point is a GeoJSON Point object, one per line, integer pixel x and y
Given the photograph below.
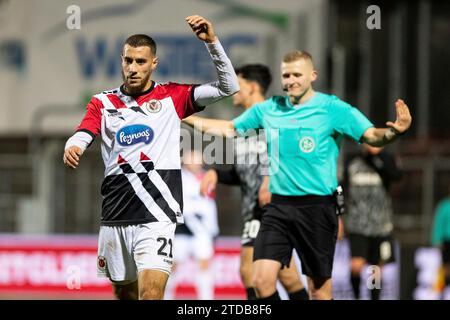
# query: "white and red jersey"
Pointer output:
{"type": "Point", "coordinates": [200, 212]}
{"type": "Point", "coordinates": [141, 151]}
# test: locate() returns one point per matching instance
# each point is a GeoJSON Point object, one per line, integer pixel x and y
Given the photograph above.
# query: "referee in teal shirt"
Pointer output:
{"type": "Point", "coordinates": [304, 132]}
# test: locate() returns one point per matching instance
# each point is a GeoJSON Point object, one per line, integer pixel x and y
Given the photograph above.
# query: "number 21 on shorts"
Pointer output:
{"type": "Point", "coordinates": [162, 251]}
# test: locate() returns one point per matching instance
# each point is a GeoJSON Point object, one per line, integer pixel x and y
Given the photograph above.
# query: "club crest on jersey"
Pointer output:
{"type": "Point", "coordinates": [101, 263]}
{"type": "Point", "coordinates": [153, 105]}
{"type": "Point", "coordinates": [133, 134]}
{"type": "Point", "coordinates": [307, 144]}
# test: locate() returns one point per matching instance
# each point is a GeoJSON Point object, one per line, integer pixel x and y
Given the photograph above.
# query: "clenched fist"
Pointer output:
{"type": "Point", "coordinates": [72, 156]}
{"type": "Point", "coordinates": [202, 28]}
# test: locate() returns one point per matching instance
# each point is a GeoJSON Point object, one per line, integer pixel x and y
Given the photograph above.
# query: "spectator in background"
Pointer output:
{"type": "Point", "coordinates": [441, 235]}
{"type": "Point", "coordinates": [367, 180]}
{"type": "Point", "coordinates": [195, 238]}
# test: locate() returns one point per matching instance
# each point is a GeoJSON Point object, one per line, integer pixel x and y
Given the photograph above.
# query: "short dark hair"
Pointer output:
{"type": "Point", "coordinates": [141, 40]}
{"type": "Point", "coordinates": [258, 73]}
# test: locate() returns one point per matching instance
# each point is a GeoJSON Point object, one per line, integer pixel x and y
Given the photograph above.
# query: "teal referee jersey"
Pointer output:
{"type": "Point", "coordinates": [304, 140]}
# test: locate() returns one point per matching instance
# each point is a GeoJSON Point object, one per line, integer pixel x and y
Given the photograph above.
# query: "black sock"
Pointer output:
{"type": "Point", "coordinates": [356, 281]}
{"type": "Point", "coordinates": [274, 296]}
{"type": "Point", "coordinates": [375, 294]}
{"type": "Point", "coordinates": [251, 293]}
{"type": "Point", "coordinates": [447, 281]}
{"type": "Point", "coordinates": [301, 294]}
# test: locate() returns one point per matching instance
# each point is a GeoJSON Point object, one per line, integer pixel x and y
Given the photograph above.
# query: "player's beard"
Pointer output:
{"type": "Point", "coordinates": [134, 89]}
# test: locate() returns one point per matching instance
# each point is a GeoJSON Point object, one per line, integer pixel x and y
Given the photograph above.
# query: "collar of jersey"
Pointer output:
{"type": "Point", "coordinates": [300, 105]}
{"type": "Point", "coordinates": [138, 94]}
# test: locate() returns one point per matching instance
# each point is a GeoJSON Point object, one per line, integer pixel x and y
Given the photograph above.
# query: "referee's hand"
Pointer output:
{"type": "Point", "coordinates": [404, 119]}
{"type": "Point", "coordinates": [72, 156]}
{"type": "Point", "coordinates": [264, 197]}
{"type": "Point", "coordinates": [202, 28]}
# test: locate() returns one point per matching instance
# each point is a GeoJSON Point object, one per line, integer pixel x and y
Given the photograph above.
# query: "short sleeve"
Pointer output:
{"type": "Point", "coordinates": [250, 119]}
{"type": "Point", "coordinates": [92, 119]}
{"type": "Point", "coordinates": [348, 120]}
{"type": "Point", "coordinates": [183, 99]}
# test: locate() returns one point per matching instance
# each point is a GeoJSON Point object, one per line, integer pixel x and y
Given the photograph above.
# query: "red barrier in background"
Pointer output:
{"type": "Point", "coordinates": [65, 267]}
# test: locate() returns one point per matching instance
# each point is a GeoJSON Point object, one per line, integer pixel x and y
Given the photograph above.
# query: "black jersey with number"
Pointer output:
{"type": "Point", "coordinates": [249, 168]}
{"type": "Point", "coordinates": [369, 205]}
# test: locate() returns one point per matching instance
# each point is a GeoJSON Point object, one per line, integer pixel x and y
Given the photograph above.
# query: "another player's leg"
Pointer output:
{"type": "Point", "coordinates": [245, 270]}
{"type": "Point", "coordinates": [446, 266]}
{"type": "Point", "coordinates": [249, 233]}
{"type": "Point", "coordinates": [126, 291]}
{"type": "Point", "coordinates": [375, 291]}
{"type": "Point", "coordinates": [291, 281]}
{"type": "Point", "coordinates": [356, 266]}
{"type": "Point", "coordinates": [360, 252]}
{"type": "Point", "coordinates": [382, 253]}
{"type": "Point", "coordinates": [446, 291]}
{"type": "Point", "coordinates": [204, 252]}
{"type": "Point", "coordinates": [183, 248]}
{"type": "Point", "coordinates": [205, 280]}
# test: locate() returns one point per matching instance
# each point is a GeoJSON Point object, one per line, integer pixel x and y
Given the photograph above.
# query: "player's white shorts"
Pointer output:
{"type": "Point", "coordinates": [124, 251]}
{"type": "Point", "coordinates": [198, 247]}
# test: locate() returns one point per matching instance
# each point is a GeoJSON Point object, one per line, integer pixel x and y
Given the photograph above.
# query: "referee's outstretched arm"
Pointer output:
{"type": "Point", "coordinates": [224, 128]}
{"type": "Point", "coordinates": [379, 137]}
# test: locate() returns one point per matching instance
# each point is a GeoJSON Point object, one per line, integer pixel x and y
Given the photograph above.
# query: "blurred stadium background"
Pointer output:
{"type": "Point", "coordinates": [49, 216]}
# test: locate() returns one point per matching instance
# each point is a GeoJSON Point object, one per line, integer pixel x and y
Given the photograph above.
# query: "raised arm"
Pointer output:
{"type": "Point", "coordinates": [379, 137]}
{"type": "Point", "coordinates": [227, 83]}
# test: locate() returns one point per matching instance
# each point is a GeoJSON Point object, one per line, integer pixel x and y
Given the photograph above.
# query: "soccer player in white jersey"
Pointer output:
{"type": "Point", "coordinates": [139, 125]}
{"type": "Point", "coordinates": [195, 238]}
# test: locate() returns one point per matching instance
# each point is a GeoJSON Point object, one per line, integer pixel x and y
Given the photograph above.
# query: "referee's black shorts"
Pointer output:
{"type": "Point", "coordinates": [307, 224]}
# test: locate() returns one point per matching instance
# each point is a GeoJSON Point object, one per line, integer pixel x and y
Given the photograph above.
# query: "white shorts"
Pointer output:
{"type": "Point", "coordinates": [200, 247]}
{"type": "Point", "coordinates": [124, 251]}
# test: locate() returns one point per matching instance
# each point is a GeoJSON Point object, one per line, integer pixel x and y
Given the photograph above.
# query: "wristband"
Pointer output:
{"type": "Point", "coordinates": [390, 134]}
{"type": "Point", "coordinates": [398, 133]}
